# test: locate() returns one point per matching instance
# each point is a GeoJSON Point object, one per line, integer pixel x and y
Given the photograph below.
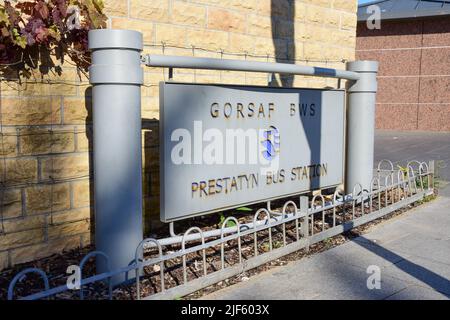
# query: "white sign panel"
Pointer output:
{"type": "Point", "coordinates": [226, 146]}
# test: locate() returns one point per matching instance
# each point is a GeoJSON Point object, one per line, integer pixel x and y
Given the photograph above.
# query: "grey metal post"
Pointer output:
{"type": "Point", "coordinates": [361, 124]}
{"type": "Point", "coordinates": [304, 207]}
{"type": "Point", "coordinates": [116, 76]}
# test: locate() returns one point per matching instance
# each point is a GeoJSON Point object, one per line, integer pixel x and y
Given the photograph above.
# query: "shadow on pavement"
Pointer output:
{"type": "Point", "coordinates": [428, 277]}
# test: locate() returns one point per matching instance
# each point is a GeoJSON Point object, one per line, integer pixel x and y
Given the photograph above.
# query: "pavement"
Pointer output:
{"type": "Point", "coordinates": [407, 257]}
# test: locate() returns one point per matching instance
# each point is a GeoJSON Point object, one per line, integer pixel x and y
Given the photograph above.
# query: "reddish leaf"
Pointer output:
{"type": "Point", "coordinates": [41, 10]}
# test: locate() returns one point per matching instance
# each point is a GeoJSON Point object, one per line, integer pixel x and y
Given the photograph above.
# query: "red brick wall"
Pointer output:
{"type": "Point", "coordinates": [414, 76]}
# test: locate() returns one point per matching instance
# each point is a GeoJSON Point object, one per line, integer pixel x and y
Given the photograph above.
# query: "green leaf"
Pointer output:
{"type": "Point", "coordinates": [54, 33]}
{"type": "Point", "coordinates": [97, 18]}
{"type": "Point", "coordinates": [99, 5]}
{"type": "Point", "coordinates": [246, 209]}
{"type": "Point", "coordinates": [231, 224]}
{"type": "Point", "coordinates": [19, 40]}
{"type": "Point", "coordinates": [4, 18]}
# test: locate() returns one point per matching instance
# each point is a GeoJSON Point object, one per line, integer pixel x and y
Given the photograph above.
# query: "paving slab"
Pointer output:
{"type": "Point", "coordinates": [412, 251]}
{"type": "Point", "coordinates": [417, 293]}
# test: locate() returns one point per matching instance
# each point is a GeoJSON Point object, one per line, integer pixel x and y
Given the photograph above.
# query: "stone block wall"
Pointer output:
{"type": "Point", "coordinates": [46, 202]}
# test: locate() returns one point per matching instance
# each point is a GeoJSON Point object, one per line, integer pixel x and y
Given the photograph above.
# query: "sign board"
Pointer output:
{"type": "Point", "coordinates": [225, 146]}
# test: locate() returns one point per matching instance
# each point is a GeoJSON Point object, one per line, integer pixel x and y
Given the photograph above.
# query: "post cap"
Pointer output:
{"type": "Point", "coordinates": [113, 38]}
{"type": "Point", "coordinates": [362, 66]}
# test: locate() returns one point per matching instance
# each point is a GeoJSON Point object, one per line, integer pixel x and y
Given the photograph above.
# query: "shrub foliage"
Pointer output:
{"type": "Point", "coordinates": [40, 34]}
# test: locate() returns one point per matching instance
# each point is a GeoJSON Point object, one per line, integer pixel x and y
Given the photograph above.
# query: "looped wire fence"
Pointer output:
{"type": "Point", "coordinates": [253, 240]}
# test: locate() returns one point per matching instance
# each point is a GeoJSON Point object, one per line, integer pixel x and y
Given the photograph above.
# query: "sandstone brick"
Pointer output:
{"type": "Point", "coordinates": [153, 78]}
{"type": "Point", "coordinates": [271, 47]}
{"type": "Point", "coordinates": [150, 109]}
{"type": "Point", "coordinates": [28, 89]}
{"type": "Point", "coordinates": [249, 5]}
{"type": "Point", "coordinates": [18, 170]}
{"type": "Point", "coordinates": [51, 84]}
{"type": "Point", "coordinates": [72, 216]}
{"type": "Point", "coordinates": [31, 111]}
{"type": "Point", "coordinates": [151, 87]}
{"type": "Point", "coordinates": [84, 139]}
{"type": "Point", "coordinates": [64, 83]}
{"type": "Point", "coordinates": [116, 7]}
{"type": "Point", "coordinates": [238, 5]}
{"type": "Point", "coordinates": [82, 193]}
{"type": "Point", "coordinates": [240, 43]}
{"type": "Point", "coordinates": [322, 3]}
{"type": "Point", "coordinates": [21, 238]}
{"type": "Point", "coordinates": [302, 32]}
{"type": "Point", "coordinates": [348, 21]}
{"type": "Point", "coordinates": [8, 143]}
{"type": "Point", "coordinates": [300, 82]}
{"type": "Point", "coordinates": [318, 34]}
{"type": "Point", "coordinates": [150, 90]}
{"type": "Point", "coordinates": [64, 167]}
{"type": "Point", "coordinates": [347, 5]}
{"type": "Point", "coordinates": [170, 35]}
{"type": "Point", "coordinates": [264, 7]}
{"type": "Point", "coordinates": [9, 88]}
{"type": "Point", "coordinates": [77, 111]}
{"type": "Point", "coordinates": [313, 51]}
{"type": "Point", "coordinates": [41, 141]}
{"type": "Point", "coordinates": [257, 81]}
{"type": "Point", "coordinates": [47, 198]}
{"type": "Point", "coordinates": [85, 89]}
{"type": "Point", "coordinates": [67, 229]}
{"type": "Point", "coordinates": [295, 50]}
{"type": "Point", "coordinates": [188, 14]}
{"type": "Point", "coordinates": [24, 223]}
{"type": "Point", "coordinates": [333, 52]}
{"type": "Point", "coordinates": [315, 14]}
{"type": "Point", "coordinates": [4, 260]}
{"type": "Point", "coordinates": [347, 54]}
{"type": "Point", "coordinates": [317, 83]}
{"type": "Point", "coordinates": [12, 203]}
{"type": "Point", "coordinates": [38, 251]}
{"type": "Point", "coordinates": [213, 40]}
{"type": "Point", "coordinates": [226, 20]}
{"type": "Point", "coordinates": [208, 78]}
{"type": "Point", "coordinates": [187, 77]}
{"type": "Point", "coordinates": [344, 38]}
{"type": "Point", "coordinates": [155, 10]}
{"type": "Point", "coordinates": [333, 18]}
{"type": "Point", "coordinates": [259, 26]}
{"type": "Point", "coordinates": [300, 11]}
{"type": "Point", "coordinates": [146, 27]}
{"type": "Point", "coordinates": [86, 239]}
{"type": "Point", "coordinates": [208, 2]}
